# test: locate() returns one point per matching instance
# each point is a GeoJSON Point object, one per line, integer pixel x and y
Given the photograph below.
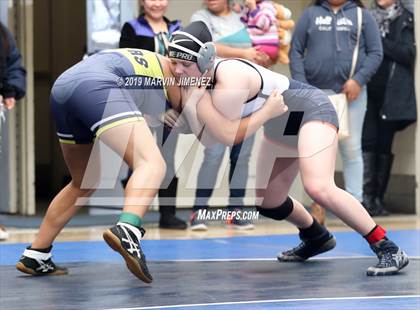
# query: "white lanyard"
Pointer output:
{"type": "Point", "coordinates": [2, 120]}
{"type": "Point", "coordinates": [2, 113]}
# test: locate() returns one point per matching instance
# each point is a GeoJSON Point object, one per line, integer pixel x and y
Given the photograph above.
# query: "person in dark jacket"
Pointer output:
{"type": "Point", "coordinates": [321, 55]}
{"type": "Point", "coordinates": [12, 80]}
{"type": "Point", "coordinates": [12, 74]}
{"type": "Point", "coordinates": [391, 99]}
{"type": "Point", "coordinates": [151, 31]}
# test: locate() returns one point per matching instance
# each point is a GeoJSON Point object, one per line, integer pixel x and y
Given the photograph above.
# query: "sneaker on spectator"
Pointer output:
{"type": "Point", "coordinates": [197, 224]}
{"type": "Point", "coordinates": [236, 222]}
{"type": "Point", "coordinates": [3, 233]}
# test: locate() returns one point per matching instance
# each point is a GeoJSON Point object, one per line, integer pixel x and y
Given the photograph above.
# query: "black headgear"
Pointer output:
{"type": "Point", "coordinates": [194, 43]}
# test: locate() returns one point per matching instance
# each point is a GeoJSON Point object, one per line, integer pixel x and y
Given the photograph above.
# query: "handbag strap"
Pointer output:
{"type": "Point", "coordinates": [356, 49]}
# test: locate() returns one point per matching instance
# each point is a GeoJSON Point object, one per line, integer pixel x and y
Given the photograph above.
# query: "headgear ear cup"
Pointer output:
{"type": "Point", "coordinates": [207, 55]}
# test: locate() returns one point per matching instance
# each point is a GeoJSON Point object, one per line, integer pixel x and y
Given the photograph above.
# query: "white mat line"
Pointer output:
{"type": "Point", "coordinates": [269, 301]}
{"type": "Point", "coordinates": [266, 259]}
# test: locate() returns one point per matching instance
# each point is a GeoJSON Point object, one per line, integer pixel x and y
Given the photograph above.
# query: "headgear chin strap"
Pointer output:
{"type": "Point", "coordinates": [205, 56]}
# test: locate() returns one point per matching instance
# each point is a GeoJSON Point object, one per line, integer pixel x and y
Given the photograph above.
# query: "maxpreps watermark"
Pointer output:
{"type": "Point", "coordinates": [225, 215]}
{"type": "Point", "coordinates": [147, 82]}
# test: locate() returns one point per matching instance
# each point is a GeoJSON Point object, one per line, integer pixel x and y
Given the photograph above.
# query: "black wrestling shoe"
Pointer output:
{"type": "Point", "coordinates": [125, 239]}
{"type": "Point", "coordinates": [308, 248]}
{"type": "Point", "coordinates": [391, 259]}
{"type": "Point", "coordinates": [38, 263]}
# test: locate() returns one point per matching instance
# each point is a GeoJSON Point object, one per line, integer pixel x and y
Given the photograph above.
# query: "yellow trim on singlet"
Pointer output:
{"type": "Point", "coordinates": [66, 141]}
{"type": "Point", "coordinates": [139, 58]}
{"type": "Point", "coordinates": [117, 123]}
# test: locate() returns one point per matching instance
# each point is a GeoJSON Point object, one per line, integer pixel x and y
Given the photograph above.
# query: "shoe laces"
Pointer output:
{"type": "Point", "coordinates": [50, 261]}
{"type": "Point", "coordinates": [385, 257]}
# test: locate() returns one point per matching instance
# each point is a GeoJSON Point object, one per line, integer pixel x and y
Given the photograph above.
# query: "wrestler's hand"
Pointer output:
{"type": "Point", "coordinates": [171, 118]}
{"type": "Point", "coordinates": [191, 96]}
{"type": "Point", "coordinates": [274, 106]}
{"type": "Point", "coordinates": [352, 90]}
{"type": "Point", "coordinates": [182, 125]}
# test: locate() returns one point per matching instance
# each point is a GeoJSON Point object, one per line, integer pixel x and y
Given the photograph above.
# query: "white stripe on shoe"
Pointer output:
{"type": "Point", "coordinates": [134, 246]}
{"type": "Point", "coordinates": [37, 255]}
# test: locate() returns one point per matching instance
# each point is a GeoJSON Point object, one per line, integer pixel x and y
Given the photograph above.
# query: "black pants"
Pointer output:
{"type": "Point", "coordinates": [378, 134]}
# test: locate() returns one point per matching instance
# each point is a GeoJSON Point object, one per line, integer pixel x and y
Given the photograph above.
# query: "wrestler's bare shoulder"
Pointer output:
{"type": "Point", "coordinates": [233, 73]}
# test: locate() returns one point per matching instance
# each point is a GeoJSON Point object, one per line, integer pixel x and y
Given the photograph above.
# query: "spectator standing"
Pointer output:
{"type": "Point", "coordinates": [321, 55]}
{"type": "Point", "coordinates": [12, 81]}
{"type": "Point", "coordinates": [391, 99]}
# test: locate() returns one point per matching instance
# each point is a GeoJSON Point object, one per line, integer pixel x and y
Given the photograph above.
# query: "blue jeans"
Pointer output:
{"type": "Point", "coordinates": [351, 148]}
{"type": "Point", "coordinates": [238, 173]}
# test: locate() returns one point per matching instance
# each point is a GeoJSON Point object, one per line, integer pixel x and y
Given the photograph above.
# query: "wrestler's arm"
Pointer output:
{"type": "Point", "coordinates": [232, 132]}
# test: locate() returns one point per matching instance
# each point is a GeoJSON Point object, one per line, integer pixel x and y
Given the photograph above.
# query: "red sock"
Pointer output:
{"type": "Point", "coordinates": [375, 235]}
